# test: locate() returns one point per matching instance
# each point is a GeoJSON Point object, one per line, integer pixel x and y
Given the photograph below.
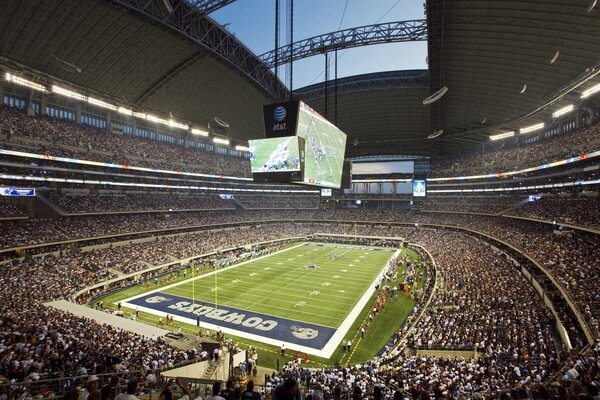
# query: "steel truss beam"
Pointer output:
{"type": "Point", "coordinates": [390, 32]}
{"type": "Point", "coordinates": [210, 37]}
{"type": "Point", "coordinates": [418, 79]}
{"type": "Point", "coordinates": [208, 6]}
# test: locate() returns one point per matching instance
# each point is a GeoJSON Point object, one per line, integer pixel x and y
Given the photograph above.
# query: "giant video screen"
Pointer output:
{"type": "Point", "coordinates": [325, 146]}
{"type": "Point", "coordinates": [274, 155]}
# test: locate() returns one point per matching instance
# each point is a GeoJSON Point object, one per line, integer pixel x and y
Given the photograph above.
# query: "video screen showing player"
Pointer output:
{"type": "Point", "coordinates": [419, 188]}
{"type": "Point", "coordinates": [325, 146]}
{"type": "Point", "coordinates": [274, 155]}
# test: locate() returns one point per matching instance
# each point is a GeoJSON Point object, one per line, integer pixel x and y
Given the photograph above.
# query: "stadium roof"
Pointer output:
{"type": "Point", "coordinates": [127, 49]}
{"type": "Point", "coordinates": [484, 52]}
{"type": "Point", "coordinates": [501, 61]}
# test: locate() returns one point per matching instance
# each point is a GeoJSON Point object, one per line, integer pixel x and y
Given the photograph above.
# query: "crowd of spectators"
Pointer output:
{"type": "Point", "coordinates": [35, 231]}
{"type": "Point", "coordinates": [512, 329]}
{"type": "Point", "coordinates": [497, 326]}
{"type": "Point", "coordinates": [583, 211]}
{"type": "Point", "coordinates": [558, 147]}
{"type": "Point", "coordinates": [483, 303]}
{"type": "Point", "coordinates": [571, 257]}
{"type": "Point", "coordinates": [65, 138]}
{"type": "Point", "coordinates": [470, 204]}
{"type": "Point", "coordinates": [123, 202]}
{"type": "Point", "coordinates": [68, 139]}
{"type": "Point", "coordinates": [37, 341]}
{"type": "Point", "coordinates": [278, 202]}
{"type": "Point", "coordinates": [9, 210]}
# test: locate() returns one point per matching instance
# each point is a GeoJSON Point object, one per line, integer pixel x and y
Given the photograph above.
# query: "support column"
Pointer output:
{"type": "Point", "coordinates": [108, 119]}
{"type": "Point", "coordinates": [78, 113]}
{"type": "Point", "coordinates": [133, 126]}
{"type": "Point", "coordinates": [29, 105]}
{"type": "Point", "coordinates": [578, 119]}
{"type": "Point", "coordinates": [43, 104]}
{"type": "Point", "coordinates": [561, 127]}
{"type": "Point", "coordinates": [1, 93]}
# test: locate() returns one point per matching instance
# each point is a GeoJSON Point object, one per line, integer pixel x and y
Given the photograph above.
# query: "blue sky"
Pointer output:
{"type": "Point", "coordinates": [253, 23]}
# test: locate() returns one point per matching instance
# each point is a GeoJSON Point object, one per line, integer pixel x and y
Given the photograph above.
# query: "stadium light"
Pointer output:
{"type": "Point", "coordinates": [68, 93]}
{"type": "Point", "coordinates": [101, 103]}
{"type": "Point", "coordinates": [221, 141]}
{"type": "Point", "coordinates": [436, 96]}
{"type": "Point", "coordinates": [435, 134]}
{"type": "Point", "coordinates": [591, 91]}
{"type": "Point", "coordinates": [502, 135]}
{"type": "Point", "coordinates": [242, 148]}
{"type": "Point", "coordinates": [532, 128]}
{"type": "Point", "coordinates": [201, 132]}
{"type": "Point", "coordinates": [563, 111]}
{"type": "Point", "coordinates": [175, 124]}
{"type": "Point", "coordinates": [123, 110]}
{"type": "Point", "coordinates": [154, 118]}
{"type": "Point", "coordinates": [140, 115]}
{"type": "Point", "coordinates": [17, 80]}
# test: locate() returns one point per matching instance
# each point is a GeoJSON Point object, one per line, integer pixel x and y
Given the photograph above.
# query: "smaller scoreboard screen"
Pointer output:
{"type": "Point", "coordinates": [275, 155]}
{"type": "Point", "coordinates": [419, 188]}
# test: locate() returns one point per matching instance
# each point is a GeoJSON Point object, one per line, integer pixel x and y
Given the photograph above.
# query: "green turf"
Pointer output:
{"type": "Point", "coordinates": [382, 328]}
{"type": "Point", "coordinates": [281, 285]}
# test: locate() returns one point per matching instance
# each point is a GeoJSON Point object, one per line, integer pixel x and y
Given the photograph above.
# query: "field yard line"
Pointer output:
{"type": "Point", "coordinates": [345, 326]}
{"type": "Point", "coordinates": [296, 278]}
{"type": "Point", "coordinates": [322, 290]}
{"type": "Point", "coordinates": [252, 303]}
{"type": "Point", "coordinates": [209, 274]}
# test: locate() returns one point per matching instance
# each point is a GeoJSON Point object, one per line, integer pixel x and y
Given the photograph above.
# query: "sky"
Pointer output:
{"type": "Point", "coordinates": [253, 23]}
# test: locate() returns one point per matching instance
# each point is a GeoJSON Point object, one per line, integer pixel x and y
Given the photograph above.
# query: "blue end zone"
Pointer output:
{"type": "Point", "coordinates": [281, 329]}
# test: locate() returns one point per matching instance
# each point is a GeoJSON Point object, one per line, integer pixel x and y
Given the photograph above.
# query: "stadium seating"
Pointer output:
{"type": "Point", "coordinates": [582, 211]}
{"type": "Point", "coordinates": [280, 202]}
{"type": "Point", "coordinates": [59, 137]}
{"type": "Point", "coordinates": [10, 210]}
{"type": "Point", "coordinates": [470, 204]}
{"type": "Point", "coordinates": [63, 275]}
{"type": "Point", "coordinates": [508, 157]}
{"type": "Point", "coordinates": [482, 304]}
{"type": "Point", "coordinates": [68, 139]}
{"type": "Point", "coordinates": [116, 202]}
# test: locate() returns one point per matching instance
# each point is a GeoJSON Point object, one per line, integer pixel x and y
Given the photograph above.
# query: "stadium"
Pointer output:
{"type": "Point", "coordinates": [184, 212]}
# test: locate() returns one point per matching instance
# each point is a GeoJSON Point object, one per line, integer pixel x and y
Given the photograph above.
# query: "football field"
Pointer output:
{"type": "Point", "coordinates": [306, 296]}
